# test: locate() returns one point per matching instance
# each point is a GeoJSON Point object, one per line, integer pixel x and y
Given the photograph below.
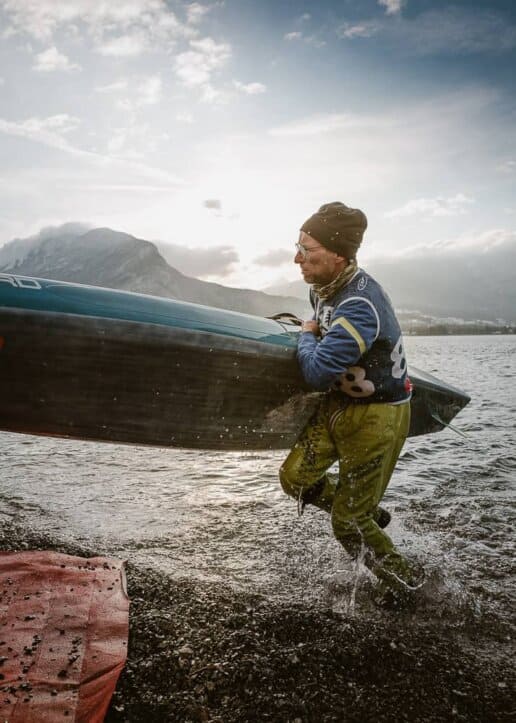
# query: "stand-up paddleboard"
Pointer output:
{"type": "Point", "coordinates": [91, 363]}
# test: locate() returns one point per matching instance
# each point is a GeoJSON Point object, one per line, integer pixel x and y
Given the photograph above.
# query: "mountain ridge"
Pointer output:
{"type": "Point", "coordinates": [473, 284]}
{"type": "Point", "coordinates": [476, 285]}
{"type": "Point", "coordinates": [114, 259]}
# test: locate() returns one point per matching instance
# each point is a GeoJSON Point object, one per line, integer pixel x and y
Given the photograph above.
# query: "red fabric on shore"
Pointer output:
{"type": "Point", "coordinates": [64, 624]}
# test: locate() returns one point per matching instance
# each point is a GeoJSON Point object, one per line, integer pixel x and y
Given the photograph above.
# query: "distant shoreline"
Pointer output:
{"type": "Point", "coordinates": [439, 330]}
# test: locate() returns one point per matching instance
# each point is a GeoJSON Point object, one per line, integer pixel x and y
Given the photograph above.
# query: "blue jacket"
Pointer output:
{"type": "Point", "coordinates": [361, 352]}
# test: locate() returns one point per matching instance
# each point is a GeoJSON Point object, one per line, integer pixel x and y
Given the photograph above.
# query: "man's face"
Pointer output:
{"type": "Point", "coordinates": [318, 264]}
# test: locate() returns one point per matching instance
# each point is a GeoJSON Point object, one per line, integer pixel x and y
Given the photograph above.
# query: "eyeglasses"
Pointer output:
{"type": "Point", "coordinates": [303, 250]}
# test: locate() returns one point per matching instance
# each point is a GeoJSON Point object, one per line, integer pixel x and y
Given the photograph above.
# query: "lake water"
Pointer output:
{"type": "Point", "coordinates": [222, 516]}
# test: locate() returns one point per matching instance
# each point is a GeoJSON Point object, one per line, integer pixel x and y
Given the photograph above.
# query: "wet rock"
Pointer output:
{"type": "Point", "coordinates": [186, 651]}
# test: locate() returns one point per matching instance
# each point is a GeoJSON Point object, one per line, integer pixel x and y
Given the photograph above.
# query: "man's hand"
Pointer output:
{"type": "Point", "coordinates": [311, 326]}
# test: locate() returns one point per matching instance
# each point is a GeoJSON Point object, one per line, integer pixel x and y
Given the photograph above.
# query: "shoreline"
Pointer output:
{"type": "Point", "coordinates": [205, 652]}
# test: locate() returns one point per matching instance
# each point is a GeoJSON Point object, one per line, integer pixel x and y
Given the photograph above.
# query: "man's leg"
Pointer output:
{"type": "Point", "coordinates": [303, 474]}
{"type": "Point", "coordinates": [369, 439]}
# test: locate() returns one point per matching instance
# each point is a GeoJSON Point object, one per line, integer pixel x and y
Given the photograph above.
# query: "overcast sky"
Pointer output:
{"type": "Point", "coordinates": [227, 123]}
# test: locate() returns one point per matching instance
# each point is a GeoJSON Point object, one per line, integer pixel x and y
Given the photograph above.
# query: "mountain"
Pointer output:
{"type": "Point", "coordinates": [103, 257]}
{"type": "Point", "coordinates": [471, 284]}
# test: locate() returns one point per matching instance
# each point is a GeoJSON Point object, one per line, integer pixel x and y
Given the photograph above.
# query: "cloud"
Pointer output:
{"type": "Point", "coordinates": [119, 140]}
{"type": "Point", "coordinates": [51, 59]}
{"type": "Point", "coordinates": [276, 257]}
{"type": "Point", "coordinates": [196, 66]}
{"type": "Point", "coordinates": [360, 152]}
{"type": "Point", "coordinates": [210, 94]}
{"type": "Point", "coordinates": [135, 140]}
{"type": "Point", "coordinates": [508, 166]}
{"type": "Point", "coordinates": [468, 276]}
{"type": "Point", "coordinates": [127, 29]}
{"type": "Point", "coordinates": [350, 31]}
{"type": "Point", "coordinates": [218, 261]}
{"type": "Point", "coordinates": [452, 30]}
{"type": "Point", "coordinates": [48, 131]}
{"type": "Point", "coordinates": [315, 125]}
{"type": "Point", "coordinates": [482, 243]}
{"type": "Point", "coordinates": [146, 91]}
{"type": "Point", "coordinates": [184, 118]}
{"type": "Point", "coordinates": [137, 188]}
{"type": "Point", "coordinates": [122, 28]}
{"type": "Point", "coordinates": [51, 131]}
{"type": "Point", "coordinates": [460, 31]}
{"type": "Point", "coordinates": [213, 204]}
{"type": "Point", "coordinates": [16, 251]}
{"type": "Point", "coordinates": [124, 46]}
{"type": "Point", "coordinates": [392, 7]}
{"type": "Point", "coordinates": [453, 206]}
{"type": "Point", "coordinates": [115, 87]}
{"type": "Point", "coordinates": [195, 12]}
{"type": "Point", "coordinates": [299, 33]}
{"type": "Point", "coordinates": [313, 40]}
{"type": "Point", "coordinates": [250, 88]}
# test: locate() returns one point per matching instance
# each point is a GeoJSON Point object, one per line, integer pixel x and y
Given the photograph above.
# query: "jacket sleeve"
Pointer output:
{"type": "Point", "coordinates": [355, 325]}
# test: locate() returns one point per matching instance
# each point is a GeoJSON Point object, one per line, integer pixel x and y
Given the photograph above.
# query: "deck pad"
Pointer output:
{"type": "Point", "coordinates": [64, 625]}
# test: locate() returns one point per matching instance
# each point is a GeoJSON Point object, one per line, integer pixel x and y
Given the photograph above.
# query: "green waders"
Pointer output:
{"type": "Point", "coordinates": [366, 439]}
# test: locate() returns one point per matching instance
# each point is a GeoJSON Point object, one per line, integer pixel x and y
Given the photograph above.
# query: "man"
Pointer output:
{"type": "Point", "coordinates": [353, 350]}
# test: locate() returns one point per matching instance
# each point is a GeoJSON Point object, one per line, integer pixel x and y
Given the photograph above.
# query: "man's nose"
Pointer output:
{"type": "Point", "coordinates": [298, 257]}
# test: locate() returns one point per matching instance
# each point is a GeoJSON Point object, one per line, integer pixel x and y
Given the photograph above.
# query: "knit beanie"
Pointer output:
{"type": "Point", "coordinates": [338, 228]}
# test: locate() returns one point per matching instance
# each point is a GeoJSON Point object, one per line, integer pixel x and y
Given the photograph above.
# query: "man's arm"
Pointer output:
{"type": "Point", "coordinates": [354, 327]}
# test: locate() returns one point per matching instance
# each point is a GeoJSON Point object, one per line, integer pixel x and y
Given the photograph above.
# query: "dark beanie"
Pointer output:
{"type": "Point", "coordinates": [338, 228]}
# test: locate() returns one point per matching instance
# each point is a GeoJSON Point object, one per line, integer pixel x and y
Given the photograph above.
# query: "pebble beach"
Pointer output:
{"type": "Point", "coordinates": [204, 652]}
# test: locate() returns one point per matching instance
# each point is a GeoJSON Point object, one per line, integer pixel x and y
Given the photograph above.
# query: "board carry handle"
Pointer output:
{"type": "Point", "coordinates": [287, 317]}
